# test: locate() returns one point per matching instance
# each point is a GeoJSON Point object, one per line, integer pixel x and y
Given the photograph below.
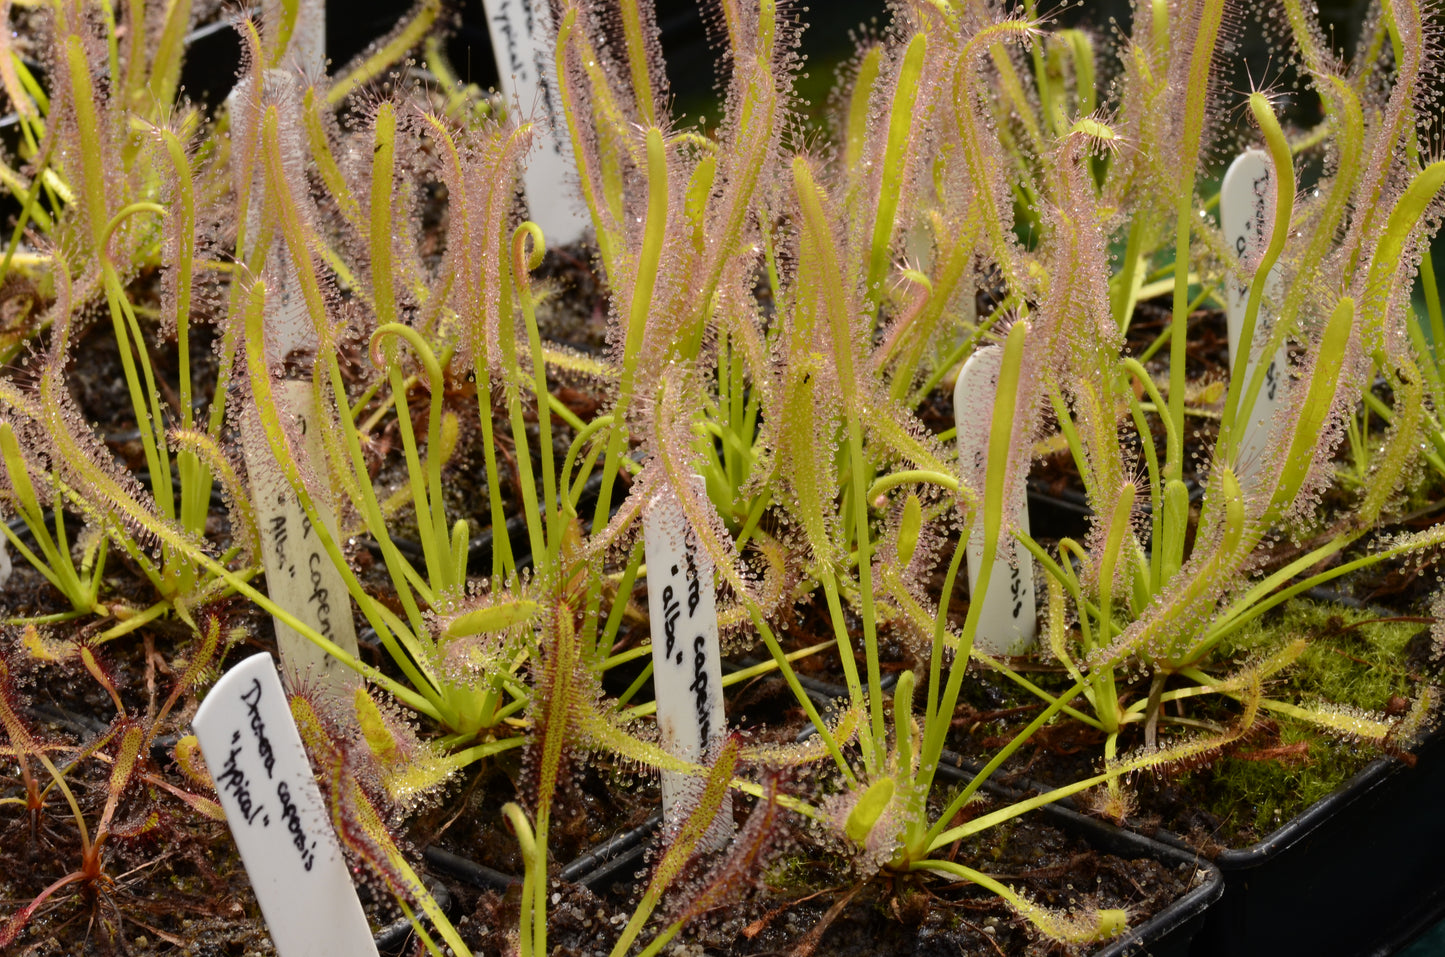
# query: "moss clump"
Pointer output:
{"type": "Point", "coordinates": [1355, 659]}
{"type": "Point", "coordinates": [1255, 791]}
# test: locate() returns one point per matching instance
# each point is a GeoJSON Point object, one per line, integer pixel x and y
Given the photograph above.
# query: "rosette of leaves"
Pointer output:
{"type": "Point", "coordinates": [1155, 587]}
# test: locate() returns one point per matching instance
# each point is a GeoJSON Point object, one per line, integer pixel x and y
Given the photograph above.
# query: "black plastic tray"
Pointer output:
{"type": "Point", "coordinates": [1169, 933]}
{"type": "Point", "coordinates": [1358, 873]}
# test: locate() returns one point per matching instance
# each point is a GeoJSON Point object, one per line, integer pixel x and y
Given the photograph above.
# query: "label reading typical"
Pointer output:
{"type": "Point", "coordinates": [276, 814]}
{"type": "Point", "coordinates": [1246, 214]}
{"type": "Point", "coordinates": [686, 659]}
{"type": "Point", "coordinates": [521, 33]}
{"type": "Point", "coordinates": [300, 576]}
{"type": "Point", "coordinates": [1009, 621]}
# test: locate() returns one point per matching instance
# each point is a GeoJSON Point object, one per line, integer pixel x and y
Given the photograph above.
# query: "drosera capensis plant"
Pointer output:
{"type": "Point", "coordinates": [520, 632]}
{"type": "Point", "coordinates": [1166, 589]}
{"type": "Point", "coordinates": [1153, 590]}
{"type": "Point", "coordinates": [779, 310]}
{"type": "Point", "coordinates": [124, 182]}
{"type": "Point", "coordinates": [121, 199]}
{"type": "Point", "coordinates": [818, 392]}
{"type": "Point", "coordinates": [816, 289]}
{"type": "Point", "coordinates": [560, 640]}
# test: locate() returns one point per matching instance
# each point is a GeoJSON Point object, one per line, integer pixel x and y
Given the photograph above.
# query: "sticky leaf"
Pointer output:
{"type": "Point", "coordinates": [868, 810]}
{"type": "Point", "coordinates": [908, 529]}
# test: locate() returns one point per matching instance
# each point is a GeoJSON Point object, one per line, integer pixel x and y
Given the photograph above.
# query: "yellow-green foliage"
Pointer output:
{"type": "Point", "coordinates": [1352, 659]}
{"type": "Point", "coordinates": [784, 423]}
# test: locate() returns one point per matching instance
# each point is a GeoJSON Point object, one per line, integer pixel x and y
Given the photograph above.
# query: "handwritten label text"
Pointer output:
{"type": "Point", "coordinates": [277, 817]}
{"type": "Point", "coordinates": [687, 663]}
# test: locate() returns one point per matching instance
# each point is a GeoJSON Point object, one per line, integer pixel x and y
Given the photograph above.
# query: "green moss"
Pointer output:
{"type": "Point", "coordinates": [1354, 658]}
{"type": "Point", "coordinates": [1254, 797]}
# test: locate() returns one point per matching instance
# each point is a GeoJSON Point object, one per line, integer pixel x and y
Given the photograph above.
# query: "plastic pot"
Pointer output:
{"type": "Point", "coordinates": [1168, 933]}
{"type": "Point", "coordinates": [618, 855]}
{"type": "Point", "coordinates": [1066, 512]}
{"type": "Point", "coordinates": [1058, 515]}
{"type": "Point", "coordinates": [1367, 853]}
{"type": "Point", "coordinates": [391, 940]}
{"type": "Point", "coordinates": [1171, 932]}
{"type": "Point", "coordinates": [1358, 873]}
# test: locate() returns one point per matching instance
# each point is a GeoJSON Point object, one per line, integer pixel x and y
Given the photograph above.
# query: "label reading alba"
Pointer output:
{"type": "Point", "coordinates": [275, 812]}
{"type": "Point", "coordinates": [521, 32]}
{"type": "Point", "coordinates": [1246, 213]}
{"type": "Point", "coordinates": [1008, 623]}
{"type": "Point", "coordinates": [686, 660]}
{"type": "Point", "coordinates": [300, 576]}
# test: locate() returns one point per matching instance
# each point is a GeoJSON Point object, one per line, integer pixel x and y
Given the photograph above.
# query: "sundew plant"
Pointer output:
{"type": "Point", "coordinates": [104, 200]}
{"type": "Point", "coordinates": [780, 307]}
{"type": "Point", "coordinates": [1157, 586]}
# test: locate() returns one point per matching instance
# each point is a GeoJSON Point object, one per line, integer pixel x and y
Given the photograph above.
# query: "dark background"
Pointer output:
{"type": "Point", "coordinates": [828, 41]}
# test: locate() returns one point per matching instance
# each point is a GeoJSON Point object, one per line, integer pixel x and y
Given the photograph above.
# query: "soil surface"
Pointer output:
{"type": "Point", "coordinates": [801, 905]}
{"type": "Point", "coordinates": [168, 881]}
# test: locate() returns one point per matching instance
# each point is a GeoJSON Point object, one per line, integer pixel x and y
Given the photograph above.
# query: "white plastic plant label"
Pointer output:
{"type": "Point", "coordinates": [521, 33]}
{"type": "Point", "coordinates": [1009, 621]}
{"type": "Point", "coordinates": [686, 658]}
{"type": "Point", "coordinates": [300, 576]}
{"type": "Point", "coordinates": [306, 45]}
{"type": "Point", "coordinates": [289, 329]}
{"type": "Point", "coordinates": [276, 814]}
{"type": "Point", "coordinates": [1246, 212]}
